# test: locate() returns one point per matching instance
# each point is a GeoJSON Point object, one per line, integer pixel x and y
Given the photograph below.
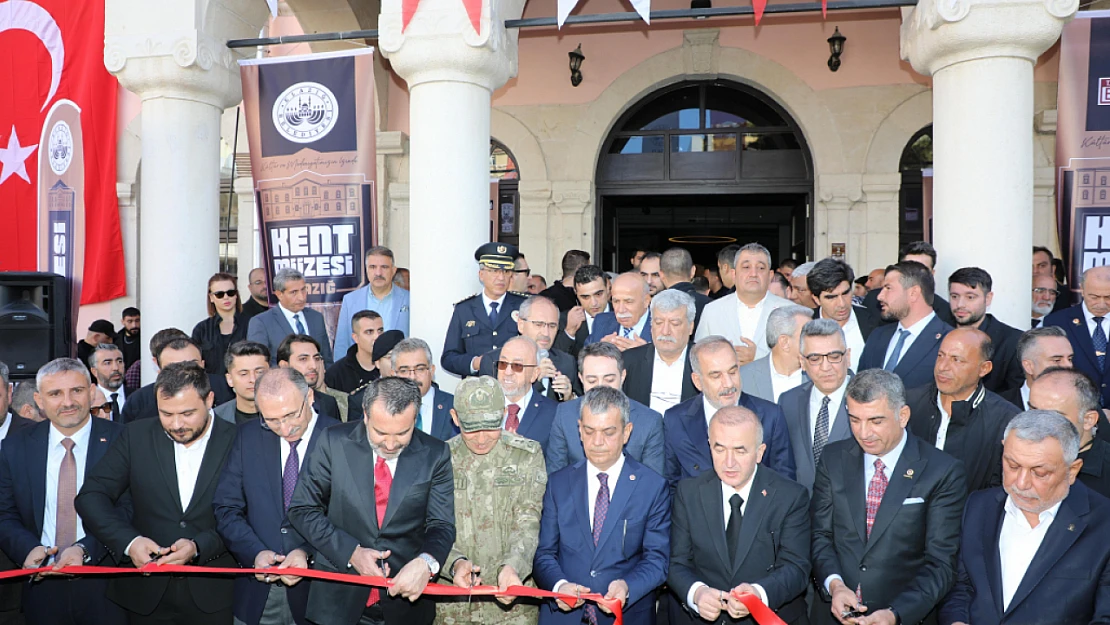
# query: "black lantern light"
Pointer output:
{"type": "Point", "coordinates": [576, 58]}
{"type": "Point", "coordinates": [836, 48]}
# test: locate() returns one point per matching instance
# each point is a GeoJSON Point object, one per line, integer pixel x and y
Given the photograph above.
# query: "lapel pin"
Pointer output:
{"type": "Point", "coordinates": [1071, 527]}
{"type": "Point", "coordinates": [1075, 321]}
{"type": "Point", "coordinates": [909, 473]}
{"type": "Point", "coordinates": [439, 407]}
{"type": "Point", "coordinates": [470, 324]}
{"type": "Point", "coordinates": [938, 336]}
{"type": "Point", "coordinates": [632, 478]}
{"type": "Point", "coordinates": [764, 492]}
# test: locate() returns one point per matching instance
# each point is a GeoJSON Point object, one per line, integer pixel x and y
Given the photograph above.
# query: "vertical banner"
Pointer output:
{"type": "Point", "coordinates": [310, 125]}
{"type": "Point", "coordinates": [1083, 144]}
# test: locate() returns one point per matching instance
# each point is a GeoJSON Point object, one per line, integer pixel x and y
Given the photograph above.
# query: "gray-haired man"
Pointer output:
{"type": "Point", "coordinates": [290, 316]}
{"type": "Point", "coordinates": [769, 377]}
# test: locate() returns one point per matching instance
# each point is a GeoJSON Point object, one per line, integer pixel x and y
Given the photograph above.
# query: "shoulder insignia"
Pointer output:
{"type": "Point", "coordinates": [468, 297]}
{"type": "Point", "coordinates": [471, 323]}
{"type": "Point", "coordinates": [519, 442]}
{"type": "Point", "coordinates": [519, 294]}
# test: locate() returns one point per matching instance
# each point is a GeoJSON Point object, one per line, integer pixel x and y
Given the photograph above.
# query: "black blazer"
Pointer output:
{"type": "Point", "coordinates": [773, 551]}
{"type": "Point", "coordinates": [940, 306]}
{"type": "Point", "coordinates": [639, 363]}
{"type": "Point", "coordinates": [1075, 325]}
{"type": "Point", "coordinates": [250, 509]}
{"type": "Point", "coordinates": [564, 342]}
{"type": "Point", "coordinates": [1006, 372]}
{"type": "Point", "coordinates": [915, 367]}
{"type": "Point", "coordinates": [10, 590]}
{"type": "Point", "coordinates": [909, 560]}
{"type": "Point", "coordinates": [333, 509]}
{"type": "Point", "coordinates": [141, 461]}
{"type": "Point", "coordinates": [699, 300]}
{"type": "Point", "coordinates": [1065, 584]}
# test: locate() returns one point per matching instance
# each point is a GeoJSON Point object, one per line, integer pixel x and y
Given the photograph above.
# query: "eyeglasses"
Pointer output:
{"type": "Point", "coordinates": [523, 271]}
{"type": "Point", "coordinates": [540, 325]}
{"type": "Point", "coordinates": [223, 294]}
{"type": "Point", "coordinates": [106, 408]}
{"type": "Point", "coordinates": [418, 369]}
{"type": "Point", "coordinates": [517, 367]}
{"type": "Point", "coordinates": [834, 358]}
{"type": "Point", "coordinates": [271, 424]}
{"type": "Point", "coordinates": [1043, 292]}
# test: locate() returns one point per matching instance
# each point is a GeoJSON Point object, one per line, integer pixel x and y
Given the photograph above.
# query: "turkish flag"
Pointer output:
{"type": "Point", "coordinates": [53, 50]}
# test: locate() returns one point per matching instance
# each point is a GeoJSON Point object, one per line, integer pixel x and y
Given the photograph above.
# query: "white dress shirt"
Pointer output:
{"type": "Point", "coordinates": [853, 337]}
{"type": "Point", "coordinates": [637, 328]}
{"type": "Point", "coordinates": [816, 398]}
{"type": "Point", "coordinates": [4, 427]}
{"type": "Point", "coordinates": [524, 402]}
{"type": "Point", "coordinates": [188, 461]}
{"type": "Point", "coordinates": [427, 410]}
{"type": "Point", "coordinates": [749, 318]}
{"type": "Point", "coordinates": [709, 410]}
{"type": "Point", "coordinates": [727, 492]}
{"type": "Point", "coordinates": [593, 486]}
{"type": "Point", "coordinates": [302, 447]}
{"type": "Point", "coordinates": [121, 396]}
{"type": "Point", "coordinates": [890, 460]}
{"type": "Point", "coordinates": [290, 317]}
{"type": "Point", "coordinates": [390, 464]}
{"type": "Point", "coordinates": [1018, 544]}
{"type": "Point", "coordinates": [942, 430]}
{"type": "Point", "coordinates": [1025, 396]}
{"type": "Point", "coordinates": [915, 331]}
{"type": "Point", "coordinates": [781, 383]}
{"type": "Point", "coordinates": [486, 301]}
{"type": "Point", "coordinates": [1091, 325]}
{"type": "Point", "coordinates": [666, 382]}
{"type": "Point", "coordinates": [55, 452]}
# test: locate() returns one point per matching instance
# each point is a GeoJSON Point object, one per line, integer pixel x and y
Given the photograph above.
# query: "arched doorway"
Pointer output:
{"type": "Point", "coordinates": [914, 221]}
{"type": "Point", "coordinates": [704, 161]}
{"type": "Point", "coordinates": [504, 178]}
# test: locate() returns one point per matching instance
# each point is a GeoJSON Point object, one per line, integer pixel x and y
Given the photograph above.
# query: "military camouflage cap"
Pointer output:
{"type": "Point", "coordinates": [480, 404]}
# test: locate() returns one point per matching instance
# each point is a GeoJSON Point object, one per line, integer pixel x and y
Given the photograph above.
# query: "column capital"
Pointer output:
{"type": "Point", "coordinates": [572, 196]}
{"type": "Point", "coordinates": [940, 33]}
{"type": "Point", "coordinates": [440, 43]}
{"type": "Point", "coordinates": [180, 51]}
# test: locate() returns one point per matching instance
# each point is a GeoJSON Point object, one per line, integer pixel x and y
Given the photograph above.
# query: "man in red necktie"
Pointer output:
{"type": "Point", "coordinates": [376, 498]}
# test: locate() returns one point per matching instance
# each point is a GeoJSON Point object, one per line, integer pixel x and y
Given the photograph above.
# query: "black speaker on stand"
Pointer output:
{"type": "Point", "coordinates": [36, 325]}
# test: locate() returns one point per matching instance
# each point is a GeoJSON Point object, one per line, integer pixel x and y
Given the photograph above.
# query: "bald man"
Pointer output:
{"type": "Point", "coordinates": [628, 325]}
{"type": "Point", "coordinates": [957, 414]}
{"type": "Point", "coordinates": [1087, 328]}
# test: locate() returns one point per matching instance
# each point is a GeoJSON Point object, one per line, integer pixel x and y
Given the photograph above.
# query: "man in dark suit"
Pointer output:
{"type": "Point", "coordinates": [527, 412]}
{"type": "Point", "coordinates": [538, 319]}
{"type": "Point", "coordinates": [672, 319]}
{"type": "Point", "coordinates": [686, 426]}
{"type": "Point", "coordinates": [606, 523]}
{"type": "Point", "coordinates": [921, 252]}
{"type": "Point", "coordinates": [38, 524]}
{"type": "Point", "coordinates": [167, 347]}
{"type": "Point", "coordinates": [759, 545]}
{"type": "Point", "coordinates": [816, 413]}
{"type": "Point", "coordinates": [250, 506]}
{"type": "Point", "coordinates": [591, 286]}
{"type": "Point", "coordinates": [969, 291]}
{"type": "Point", "coordinates": [957, 414]}
{"type": "Point", "coordinates": [290, 316]}
{"type": "Point", "coordinates": [676, 269]}
{"type": "Point", "coordinates": [10, 425]}
{"type": "Point", "coordinates": [483, 321]}
{"type": "Point", "coordinates": [830, 282]}
{"type": "Point", "coordinates": [1037, 350]}
{"type": "Point", "coordinates": [302, 352]}
{"type": "Point", "coordinates": [629, 325]}
{"type": "Point", "coordinates": [377, 496]}
{"type": "Point", "coordinates": [1036, 550]}
{"type": "Point", "coordinates": [1087, 329]}
{"type": "Point", "coordinates": [412, 359]}
{"type": "Point", "coordinates": [170, 467]}
{"type": "Point", "coordinates": [1071, 393]}
{"type": "Point", "coordinates": [909, 347]}
{"type": "Point", "coordinates": [886, 514]}
{"type": "Point", "coordinates": [601, 364]}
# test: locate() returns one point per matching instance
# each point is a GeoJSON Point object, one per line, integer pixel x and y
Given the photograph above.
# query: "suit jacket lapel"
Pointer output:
{"type": "Point", "coordinates": [580, 479]}
{"type": "Point", "coordinates": [271, 457]}
{"type": "Point", "coordinates": [621, 492]}
{"type": "Point", "coordinates": [163, 452]}
{"type": "Point", "coordinates": [36, 457]}
{"type": "Point", "coordinates": [991, 532]}
{"type": "Point", "coordinates": [441, 419]}
{"type": "Point", "coordinates": [481, 314]}
{"type": "Point", "coordinates": [854, 488]}
{"type": "Point", "coordinates": [920, 347]}
{"type": "Point", "coordinates": [697, 429]}
{"type": "Point", "coordinates": [646, 334]}
{"type": "Point", "coordinates": [712, 501]}
{"type": "Point", "coordinates": [410, 464]}
{"type": "Point", "coordinates": [1062, 534]}
{"type": "Point", "coordinates": [758, 499]}
{"type": "Point", "coordinates": [360, 461]}
{"type": "Point", "coordinates": [282, 321]}
{"type": "Point", "coordinates": [803, 423]}
{"type": "Point", "coordinates": [840, 429]}
{"type": "Point", "coordinates": [1082, 336]}
{"type": "Point", "coordinates": [214, 455]}
{"type": "Point", "coordinates": [688, 388]}
{"type": "Point", "coordinates": [902, 476]}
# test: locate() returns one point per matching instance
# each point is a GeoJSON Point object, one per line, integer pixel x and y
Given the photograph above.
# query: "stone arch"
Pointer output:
{"type": "Point", "coordinates": [895, 131]}
{"type": "Point", "coordinates": [521, 142]}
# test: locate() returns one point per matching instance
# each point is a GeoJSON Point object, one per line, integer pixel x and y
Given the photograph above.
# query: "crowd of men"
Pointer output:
{"type": "Point", "coordinates": [672, 438]}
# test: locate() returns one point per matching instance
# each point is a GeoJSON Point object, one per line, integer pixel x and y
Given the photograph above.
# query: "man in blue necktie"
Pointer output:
{"type": "Point", "coordinates": [290, 316]}
{"type": "Point", "coordinates": [628, 325]}
{"type": "Point", "coordinates": [1087, 326]}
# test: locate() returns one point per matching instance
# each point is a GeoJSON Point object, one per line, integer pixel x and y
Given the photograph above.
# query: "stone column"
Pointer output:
{"type": "Point", "coordinates": [981, 58]}
{"type": "Point", "coordinates": [129, 228]}
{"type": "Point", "coordinates": [175, 59]}
{"type": "Point", "coordinates": [881, 227]}
{"type": "Point", "coordinates": [248, 208]}
{"type": "Point", "coordinates": [535, 199]}
{"type": "Point", "coordinates": [451, 73]}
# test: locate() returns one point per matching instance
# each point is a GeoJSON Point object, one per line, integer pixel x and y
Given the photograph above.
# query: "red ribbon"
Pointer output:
{"type": "Point", "coordinates": [760, 612]}
{"type": "Point", "coordinates": [435, 590]}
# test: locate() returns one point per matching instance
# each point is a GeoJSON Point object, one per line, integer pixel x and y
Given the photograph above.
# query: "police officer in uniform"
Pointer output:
{"type": "Point", "coordinates": [483, 321]}
{"type": "Point", "coordinates": [500, 479]}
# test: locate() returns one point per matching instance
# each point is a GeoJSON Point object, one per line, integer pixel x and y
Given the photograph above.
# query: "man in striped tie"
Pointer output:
{"type": "Point", "coordinates": [620, 546]}
{"type": "Point", "coordinates": [886, 512]}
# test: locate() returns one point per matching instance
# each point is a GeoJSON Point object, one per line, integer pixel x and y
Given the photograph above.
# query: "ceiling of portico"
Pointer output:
{"type": "Point", "coordinates": [322, 16]}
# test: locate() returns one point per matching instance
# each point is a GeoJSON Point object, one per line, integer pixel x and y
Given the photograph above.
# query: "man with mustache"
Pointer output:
{"type": "Point", "coordinates": [659, 373]}
{"type": "Point", "coordinates": [1074, 395]}
{"type": "Point", "coordinates": [379, 295]}
{"type": "Point", "coordinates": [969, 294]}
{"type": "Point", "coordinates": [128, 338]}
{"type": "Point", "coordinates": [106, 363]}
{"type": "Point", "coordinates": [1045, 294]}
{"type": "Point", "coordinates": [629, 324]}
{"type": "Point", "coordinates": [170, 467]}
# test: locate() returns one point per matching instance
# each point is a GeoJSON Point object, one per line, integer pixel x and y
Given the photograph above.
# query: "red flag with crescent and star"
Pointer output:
{"type": "Point", "coordinates": [52, 51]}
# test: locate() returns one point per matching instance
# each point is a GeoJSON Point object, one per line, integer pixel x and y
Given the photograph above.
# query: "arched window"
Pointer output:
{"type": "Point", "coordinates": [917, 160]}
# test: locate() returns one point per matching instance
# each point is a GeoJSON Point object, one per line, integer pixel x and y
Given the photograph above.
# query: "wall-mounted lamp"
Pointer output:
{"type": "Point", "coordinates": [836, 48]}
{"type": "Point", "coordinates": [576, 58]}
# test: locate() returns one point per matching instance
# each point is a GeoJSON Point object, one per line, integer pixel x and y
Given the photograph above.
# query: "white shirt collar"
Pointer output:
{"type": "Point", "coordinates": [709, 409]}
{"type": "Point", "coordinates": [80, 437]}
{"type": "Point", "coordinates": [1015, 512]}
{"type": "Point", "coordinates": [744, 491]}
{"type": "Point", "coordinates": [614, 472]}
{"type": "Point", "coordinates": [121, 396]}
{"type": "Point", "coordinates": [500, 302]}
{"type": "Point", "coordinates": [289, 317]}
{"type": "Point", "coordinates": [1091, 325]}
{"type": "Point", "coordinates": [1025, 396]}
{"type": "Point", "coordinates": [918, 327]}
{"type": "Point", "coordinates": [679, 363]}
{"type": "Point", "coordinates": [890, 459]}
{"type": "Point", "coordinates": [637, 328]}
{"type": "Point", "coordinates": [758, 305]}
{"type": "Point", "coordinates": [835, 397]}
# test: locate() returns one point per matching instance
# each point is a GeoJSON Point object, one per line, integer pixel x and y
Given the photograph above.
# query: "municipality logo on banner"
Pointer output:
{"type": "Point", "coordinates": [307, 105]}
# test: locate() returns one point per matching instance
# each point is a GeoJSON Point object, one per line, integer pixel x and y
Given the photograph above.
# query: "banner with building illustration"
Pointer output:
{"type": "Point", "coordinates": [310, 125]}
{"type": "Point", "coordinates": [1083, 144]}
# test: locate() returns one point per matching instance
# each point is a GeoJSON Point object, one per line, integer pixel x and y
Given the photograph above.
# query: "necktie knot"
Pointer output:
{"type": "Point", "coordinates": [493, 307]}
{"type": "Point", "coordinates": [68, 444]}
{"type": "Point", "coordinates": [825, 401]}
{"type": "Point", "coordinates": [380, 464]}
{"type": "Point", "coordinates": [603, 478]}
{"type": "Point", "coordinates": [115, 396]}
{"type": "Point", "coordinates": [300, 326]}
{"type": "Point", "coordinates": [626, 331]}
{"type": "Point", "coordinates": [879, 466]}
{"type": "Point", "coordinates": [1099, 320]}
{"type": "Point", "coordinates": [293, 444]}
{"type": "Point", "coordinates": [736, 501]}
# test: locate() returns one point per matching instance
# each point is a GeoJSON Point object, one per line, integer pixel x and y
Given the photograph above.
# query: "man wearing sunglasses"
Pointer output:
{"type": "Point", "coordinates": [527, 412]}
{"type": "Point", "coordinates": [538, 319]}
{"type": "Point", "coordinates": [957, 414]}
{"type": "Point", "coordinates": [816, 412]}
{"type": "Point", "coordinates": [250, 512]}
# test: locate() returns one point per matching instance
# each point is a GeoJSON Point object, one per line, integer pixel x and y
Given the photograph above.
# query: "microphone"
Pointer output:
{"type": "Point", "coordinates": [540, 356]}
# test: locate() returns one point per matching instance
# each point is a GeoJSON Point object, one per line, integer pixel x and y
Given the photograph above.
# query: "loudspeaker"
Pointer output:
{"type": "Point", "coordinates": [36, 324]}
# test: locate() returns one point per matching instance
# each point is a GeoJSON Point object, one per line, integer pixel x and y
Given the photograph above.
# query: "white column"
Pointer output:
{"type": "Point", "coordinates": [244, 190]}
{"type": "Point", "coordinates": [981, 58]}
{"type": "Point", "coordinates": [451, 73]}
{"type": "Point", "coordinates": [129, 228]}
{"type": "Point", "coordinates": [176, 60]}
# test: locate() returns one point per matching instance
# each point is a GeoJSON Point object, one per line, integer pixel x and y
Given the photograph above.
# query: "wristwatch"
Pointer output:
{"type": "Point", "coordinates": [433, 564]}
{"type": "Point", "coordinates": [85, 559]}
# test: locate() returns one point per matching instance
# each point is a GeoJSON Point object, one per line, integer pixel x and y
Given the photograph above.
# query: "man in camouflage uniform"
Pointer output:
{"type": "Point", "coordinates": [500, 479]}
